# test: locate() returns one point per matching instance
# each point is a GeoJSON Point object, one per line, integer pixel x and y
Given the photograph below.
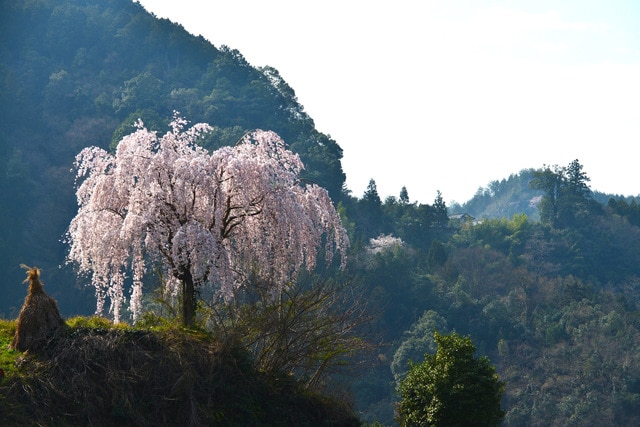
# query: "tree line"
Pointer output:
{"type": "Point", "coordinates": [550, 300]}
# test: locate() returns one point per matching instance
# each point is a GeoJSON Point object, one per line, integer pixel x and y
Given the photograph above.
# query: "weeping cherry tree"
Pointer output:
{"type": "Point", "coordinates": [203, 219]}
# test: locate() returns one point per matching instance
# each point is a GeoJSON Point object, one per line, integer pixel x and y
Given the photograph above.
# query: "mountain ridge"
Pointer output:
{"type": "Point", "coordinates": [513, 195]}
{"type": "Point", "coordinates": [81, 73]}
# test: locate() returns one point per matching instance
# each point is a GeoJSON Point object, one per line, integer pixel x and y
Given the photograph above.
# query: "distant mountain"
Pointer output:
{"type": "Point", "coordinates": [514, 195]}
{"type": "Point", "coordinates": [75, 73]}
{"type": "Point", "coordinates": [504, 198]}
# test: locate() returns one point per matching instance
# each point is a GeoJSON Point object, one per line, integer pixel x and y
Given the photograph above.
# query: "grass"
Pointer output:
{"type": "Point", "coordinates": [156, 373]}
{"type": "Point", "coordinates": [95, 322]}
{"type": "Point", "coordinates": [8, 357]}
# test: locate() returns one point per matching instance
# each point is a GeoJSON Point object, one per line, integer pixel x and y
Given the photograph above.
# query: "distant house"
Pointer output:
{"type": "Point", "coordinates": [456, 220]}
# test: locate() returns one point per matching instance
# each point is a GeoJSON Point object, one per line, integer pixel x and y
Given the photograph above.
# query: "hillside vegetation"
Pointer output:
{"type": "Point", "coordinates": [80, 73]}
{"type": "Point", "coordinates": [544, 278]}
{"type": "Point", "coordinates": [98, 374]}
{"type": "Point", "coordinates": [552, 302]}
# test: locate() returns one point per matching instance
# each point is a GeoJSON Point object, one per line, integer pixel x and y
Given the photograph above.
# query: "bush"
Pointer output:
{"type": "Point", "coordinates": [129, 376]}
{"type": "Point", "coordinates": [451, 388]}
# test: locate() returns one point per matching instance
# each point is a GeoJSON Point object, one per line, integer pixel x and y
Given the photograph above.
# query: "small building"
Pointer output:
{"type": "Point", "coordinates": [457, 220]}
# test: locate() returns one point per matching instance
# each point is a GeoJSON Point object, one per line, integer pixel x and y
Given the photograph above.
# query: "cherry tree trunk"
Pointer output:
{"type": "Point", "coordinates": [188, 299]}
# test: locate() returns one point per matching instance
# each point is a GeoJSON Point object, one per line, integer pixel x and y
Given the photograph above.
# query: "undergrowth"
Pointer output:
{"type": "Point", "coordinates": [8, 357]}
{"type": "Point", "coordinates": [97, 373]}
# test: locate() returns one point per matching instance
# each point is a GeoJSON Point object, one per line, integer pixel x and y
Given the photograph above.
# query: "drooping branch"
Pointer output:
{"type": "Point", "coordinates": [230, 220]}
{"type": "Point", "coordinates": [224, 216]}
{"type": "Point", "coordinates": [120, 212]}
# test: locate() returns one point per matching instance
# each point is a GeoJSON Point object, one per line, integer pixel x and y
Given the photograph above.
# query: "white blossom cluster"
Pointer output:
{"type": "Point", "coordinates": [383, 242]}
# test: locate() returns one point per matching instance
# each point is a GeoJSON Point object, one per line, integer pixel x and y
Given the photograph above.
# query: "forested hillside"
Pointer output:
{"type": "Point", "coordinates": [513, 195]}
{"type": "Point", "coordinates": [80, 73]}
{"type": "Point", "coordinates": [544, 276]}
{"type": "Point", "coordinates": [553, 302]}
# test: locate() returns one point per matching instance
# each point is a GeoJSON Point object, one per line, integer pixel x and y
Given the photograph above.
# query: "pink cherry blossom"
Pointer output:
{"type": "Point", "coordinates": [210, 218]}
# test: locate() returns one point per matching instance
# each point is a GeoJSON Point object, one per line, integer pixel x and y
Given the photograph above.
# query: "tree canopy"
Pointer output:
{"type": "Point", "coordinates": [206, 219]}
{"type": "Point", "coordinates": [451, 388]}
{"type": "Point", "coordinates": [567, 196]}
{"type": "Point", "coordinates": [75, 74]}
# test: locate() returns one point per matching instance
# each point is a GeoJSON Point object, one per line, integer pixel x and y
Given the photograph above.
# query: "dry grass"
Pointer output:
{"type": "Point", "coordinates": [39, 318]}
{"type": "Point", "coordinates": [96, 374]}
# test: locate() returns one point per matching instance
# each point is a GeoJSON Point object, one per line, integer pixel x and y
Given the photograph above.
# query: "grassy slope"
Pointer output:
{"type": "Point", "coordinates": [8, 357]}
{"type": "Point", "coordinates": [99, 374]}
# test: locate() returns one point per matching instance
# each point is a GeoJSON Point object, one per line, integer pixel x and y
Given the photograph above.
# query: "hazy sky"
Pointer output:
{"type": "Point", "coordinates": [449, 95]}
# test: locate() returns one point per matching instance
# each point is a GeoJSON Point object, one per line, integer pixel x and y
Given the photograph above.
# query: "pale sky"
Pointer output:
{"type": "Point", "coordinates": [449, 95]}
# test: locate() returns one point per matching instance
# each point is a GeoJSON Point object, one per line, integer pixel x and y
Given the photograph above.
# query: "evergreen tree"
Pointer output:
{"type": "Point", "coordinates": [441, 215]}
{"type": "Point", "coordinates": [404, 196]}
{"type": "Point", "coordinates": [451, 388]}
{"type": "Point", "coordinates": [577, 179]}
{"type": "Point", "coordinates": [371, 197]}
{"type": "Point", "coordinates": [550, 182]}
{"type": "Point", "coordinates": [371, 214]}
{"type": "Point", "coordinates": [567, 197]}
